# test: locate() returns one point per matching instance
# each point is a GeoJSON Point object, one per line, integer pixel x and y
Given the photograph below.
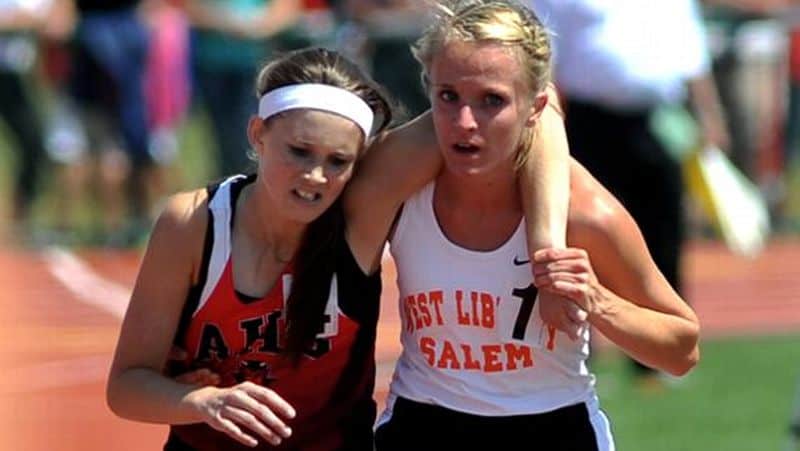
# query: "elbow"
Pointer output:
{"type": "Point", "coordinates": [685, 364]}
{"type": "Point", "coordinates": [117, 398]}
{"type": "Point", "coordinates": [689, 356]}
{"type": "Point", "coordinates": [112, 396]}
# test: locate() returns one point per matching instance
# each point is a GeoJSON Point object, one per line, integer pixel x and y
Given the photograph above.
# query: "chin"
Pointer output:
{"type": "Point", "coordinates": [306, 214]}
{"type": "Point", "coordinates": [465, 170]}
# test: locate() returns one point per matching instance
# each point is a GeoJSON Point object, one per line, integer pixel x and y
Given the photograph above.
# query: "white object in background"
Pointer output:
{"type": "Point", "coordinates": [739, 210]}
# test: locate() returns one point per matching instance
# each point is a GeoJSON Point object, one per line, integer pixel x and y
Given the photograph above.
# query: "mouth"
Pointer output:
{"type": "Point", "coordinates": [466, 148]}
{"type": "Point", "coordinates": [306, 196]}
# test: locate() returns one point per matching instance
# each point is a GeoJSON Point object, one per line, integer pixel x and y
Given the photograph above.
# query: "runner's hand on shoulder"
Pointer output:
{"type": "Point", "coordinates": [562, 275]}
{"type": "Point", "coordinates": [568, 273]}
{"type": "Point", "coordinates": [561, 313]}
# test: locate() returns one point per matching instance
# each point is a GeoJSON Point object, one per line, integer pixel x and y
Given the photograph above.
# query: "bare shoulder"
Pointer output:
{"type": "Point", "coordinates": [600, 224]}
{"type": "Point", "coordinates": [593, 211]}
{"type": "Point", "coordinates": [180, 230]}
{"type": "Point", "coordinates": [184, 213]}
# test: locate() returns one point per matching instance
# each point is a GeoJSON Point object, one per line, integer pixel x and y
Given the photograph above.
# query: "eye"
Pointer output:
{"type": "Point", "coordinates": [494, 100]}
{"type": "Point", "coordinates": [299, 152]}
{"type": "Point", "coordinates": [339, 162]}
{"type": "Point", "coordinates": [448, 95]}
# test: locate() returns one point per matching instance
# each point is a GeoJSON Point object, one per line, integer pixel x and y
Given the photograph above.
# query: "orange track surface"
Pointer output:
{"type": "Point", "coordinates": [56, 349]}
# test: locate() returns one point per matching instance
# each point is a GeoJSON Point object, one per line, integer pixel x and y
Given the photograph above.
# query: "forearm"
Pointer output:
{"type": "Point", "coordinates": [707, 107]}
{"type": "Point", "coordinates": [142, 394]}
{"type": "Point", "coordinates": [545, 183]}
{"type": "Point", "coordinates": [664, 341]}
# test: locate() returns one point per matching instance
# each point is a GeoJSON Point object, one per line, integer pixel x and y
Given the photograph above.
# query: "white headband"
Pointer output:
{"type": "Point", "coordinates": [318, 97]}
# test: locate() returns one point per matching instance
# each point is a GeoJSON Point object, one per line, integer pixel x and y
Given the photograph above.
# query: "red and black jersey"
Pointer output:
{"type": "Point", "coordinates": [242, 339]}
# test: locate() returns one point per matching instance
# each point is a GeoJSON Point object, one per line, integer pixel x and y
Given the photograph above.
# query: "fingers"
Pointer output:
{"type": "Point", "coordinates": [246, 410]}
{"type": "Point", "coordinates": [265, 405]}
{"type": "Point", "coordinates": [575, 291]}
{"type": "Point", "coordinates": [553, 254]}
{"type": "Point", "coordinates": [229, 427]}
{"type": "Point", "coordinates": [546, 281]}
{"type": "Point", "coordinates": [571, 329]}
{"type": "Point", "coordinates": [242, 417]}
{"type": "Point", "coordinates": [576, 314]}
{"type": "Point", "coordinates": [271, 399]}
{"type": "Point", "coordinates": [573, 265]}
{"type": "Point", "coordinates": [562, 314]}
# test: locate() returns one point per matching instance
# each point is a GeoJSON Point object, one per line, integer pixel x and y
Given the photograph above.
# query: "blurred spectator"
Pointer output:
{"type": "Point", "coordinates": [749, 45]}
{"type": "Point", "coordinates": [66, 142]}
{"type": "Point", "coordinates": [21, 23]}
{"type": "Point", "coordinates": [166, 90]}
{"type": "Point", "coordinates": [230, 40]}
{"type": "Point", "coordinates": [792, 147]}
{"type": "Point", "coordinates": [107, 82]}
{"type": "Point", "coordinates": [391, 26]}
{"type": "Point", "coordinates": [617, 63]}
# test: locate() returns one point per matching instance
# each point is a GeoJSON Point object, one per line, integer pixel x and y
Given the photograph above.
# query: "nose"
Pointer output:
{"type": "Point", "coordinates": [316, 175]}
{"type": "Point", "coordinates": [466, 118]}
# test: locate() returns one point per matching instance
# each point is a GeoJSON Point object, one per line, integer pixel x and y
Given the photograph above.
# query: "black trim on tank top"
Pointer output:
{"type": "Point", "coordinates": [348, 275]}
{"type": "Point", "coordinates": [246, 299]}
{"type": "Point", "coordinates": [236, 191]}
{"type": "Point", "coordinates": [196, 290]}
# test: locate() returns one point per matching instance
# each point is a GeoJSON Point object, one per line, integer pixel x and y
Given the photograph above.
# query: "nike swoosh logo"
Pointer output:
{"type": "Point", "coordinates": [518, 262]}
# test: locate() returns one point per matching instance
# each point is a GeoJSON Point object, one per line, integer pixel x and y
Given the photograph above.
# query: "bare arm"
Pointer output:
{"type": "Point", "coordinates": [708, 109]}
{"type": "Point", "coordinates": [136, 389]}
{"type": "Point", "coordinates": [396, 165]}
{"type": "Point", "coordinates": [545, 181]}
{"type": "Point", "coordinates": [544, 185]}
{"type": "Point", "coordinates": [611, 275]}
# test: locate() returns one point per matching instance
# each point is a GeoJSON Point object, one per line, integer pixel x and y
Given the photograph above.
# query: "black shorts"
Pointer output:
{"type": "Point", "coordinates": [419, 426]}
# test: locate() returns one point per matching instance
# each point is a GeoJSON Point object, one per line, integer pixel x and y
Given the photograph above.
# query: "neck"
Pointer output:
{"type": "Point", "coordinates": [489, 193]}
{"type": "Point", "coordinates": [264, 226]}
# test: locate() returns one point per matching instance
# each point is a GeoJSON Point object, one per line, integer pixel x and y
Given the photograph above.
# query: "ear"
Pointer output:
{"type": "Point", "coordinates": [255, 132]}
{"type": "Point", "coordinates": [537, 106]}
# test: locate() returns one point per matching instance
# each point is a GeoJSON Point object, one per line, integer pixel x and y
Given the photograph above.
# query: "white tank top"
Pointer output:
{"type": "Point", "coordinates": [473, 340]}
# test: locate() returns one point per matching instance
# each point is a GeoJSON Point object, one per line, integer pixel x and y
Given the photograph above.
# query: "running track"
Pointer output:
{"type": "Point", "coordinates": [61, 313]}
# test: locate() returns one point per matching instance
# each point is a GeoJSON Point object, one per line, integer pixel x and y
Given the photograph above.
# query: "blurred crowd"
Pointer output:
{"type": "Point", "coordinates": [94, 95]}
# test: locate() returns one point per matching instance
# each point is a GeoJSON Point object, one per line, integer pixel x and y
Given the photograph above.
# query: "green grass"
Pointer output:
{"type": "Point", "coordinates": [739, 398]}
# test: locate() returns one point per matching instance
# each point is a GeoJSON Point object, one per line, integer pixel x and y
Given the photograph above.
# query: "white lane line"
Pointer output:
{"type": "Point", "coordinates": [85, 284]}
{"type": "Point", "coordinates": [58, 374]}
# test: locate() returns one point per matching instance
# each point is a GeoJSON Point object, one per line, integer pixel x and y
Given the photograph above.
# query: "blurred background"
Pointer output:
{"type": "Point", "coordinates": [106, 107]}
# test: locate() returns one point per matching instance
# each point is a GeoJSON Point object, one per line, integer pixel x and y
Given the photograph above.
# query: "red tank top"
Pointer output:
{"type": "Point", "coordinates": [242, 339]}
